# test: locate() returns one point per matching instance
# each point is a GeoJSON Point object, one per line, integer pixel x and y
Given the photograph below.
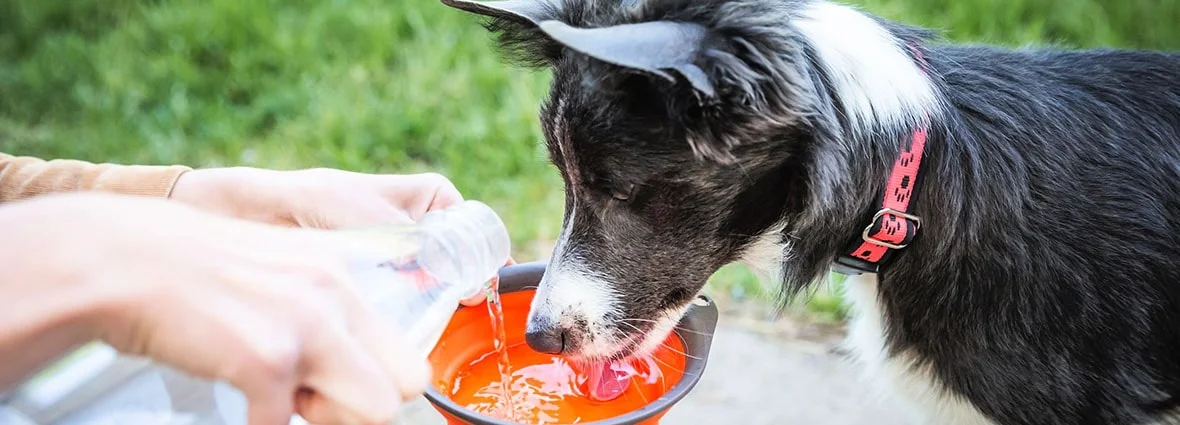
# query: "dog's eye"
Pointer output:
{"type": "Point", "coordinates": [624, 195]}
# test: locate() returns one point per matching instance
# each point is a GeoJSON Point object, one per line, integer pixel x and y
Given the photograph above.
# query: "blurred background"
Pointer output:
{"type": "Point", "coordinates": [401, 86]}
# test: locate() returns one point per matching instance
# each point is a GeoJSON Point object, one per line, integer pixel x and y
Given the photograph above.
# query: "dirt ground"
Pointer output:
{"type": "Point", "coordinates": [764, 372]}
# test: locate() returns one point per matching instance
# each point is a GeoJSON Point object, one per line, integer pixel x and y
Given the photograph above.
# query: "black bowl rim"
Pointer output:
{"type": "Point", "coordinates": [695, 330]}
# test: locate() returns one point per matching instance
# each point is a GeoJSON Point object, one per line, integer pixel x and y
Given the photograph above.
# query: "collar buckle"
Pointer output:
{"type": "Point", "coordinates": [894, 214]}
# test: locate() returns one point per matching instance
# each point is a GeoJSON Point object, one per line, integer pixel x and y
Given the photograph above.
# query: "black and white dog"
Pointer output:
{"type": "Point", "coordinates": [1011, 217]}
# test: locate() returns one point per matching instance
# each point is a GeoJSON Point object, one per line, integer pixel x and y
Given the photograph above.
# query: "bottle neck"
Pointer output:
{"type": "Point", "coordinates": [465, 244]}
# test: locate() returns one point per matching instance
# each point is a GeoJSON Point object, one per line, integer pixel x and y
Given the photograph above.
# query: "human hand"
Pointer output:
{"type": "Point", "coordinates": [319, 198]}
{"type": "Point", "coordinates": [268, 309]}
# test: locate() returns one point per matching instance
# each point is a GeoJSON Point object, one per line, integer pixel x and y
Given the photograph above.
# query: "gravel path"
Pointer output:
{"type": "Point", "coordinates": [758, 376]}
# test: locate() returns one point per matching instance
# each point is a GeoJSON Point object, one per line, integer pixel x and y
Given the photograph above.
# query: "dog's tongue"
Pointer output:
{"type": "Point", "coordinates": [607, 380]}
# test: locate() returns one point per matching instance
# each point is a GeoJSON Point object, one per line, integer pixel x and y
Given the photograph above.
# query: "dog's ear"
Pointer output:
{"type": "Point", "coordinates": [515, 24]}
{"type": "Point", "coordinates": [654, 48]}
{"type": "Point", "coordinates": [521, 11]}
{"type": "Point", "coordinates": [651, 47]}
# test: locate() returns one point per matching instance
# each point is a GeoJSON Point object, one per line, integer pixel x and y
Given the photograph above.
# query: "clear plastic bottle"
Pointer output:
{"type": "Point", "coordinates": [416, 274]}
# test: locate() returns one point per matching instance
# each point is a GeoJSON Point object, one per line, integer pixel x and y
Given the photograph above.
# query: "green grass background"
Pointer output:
{"type": "Point", "coordinates": [377, 86]}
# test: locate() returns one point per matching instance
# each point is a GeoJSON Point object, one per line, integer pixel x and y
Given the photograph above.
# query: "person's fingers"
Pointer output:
{"type": "Point", "coordinates": [266, 371]}
{"type": "Point", "coordinates": [254, 352]}
{"type": "Point", "coordinates": [270, 405]}
{"type": "Point", "coordinates": [422, 193]}
{"type": "Point", "coordinates": [315, 408]}
{"type": "Point", "coordinates": [349, 382]}
{"type": "Point", "coordinates": [382, 339]}
{"type": "Point", "coordinates": [474, 301]}
{"type": "Point", "coordinates": [445, 195]}
{"type": "Point", "coordinates": [479, 298]}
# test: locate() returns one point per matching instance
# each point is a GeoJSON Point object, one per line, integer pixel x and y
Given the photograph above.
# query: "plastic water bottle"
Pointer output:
{"type": "Point", "coordinates": [416, 274]}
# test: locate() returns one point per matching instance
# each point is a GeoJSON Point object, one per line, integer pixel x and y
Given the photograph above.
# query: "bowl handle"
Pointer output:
{"type": "Point", "coordinates": [521, 276]}
{"type": "Point", "coordinates": [700, 323]}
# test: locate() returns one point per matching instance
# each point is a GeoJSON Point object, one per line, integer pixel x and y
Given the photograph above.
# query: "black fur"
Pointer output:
{"type": "Point", "coordinates": [1044, 286]}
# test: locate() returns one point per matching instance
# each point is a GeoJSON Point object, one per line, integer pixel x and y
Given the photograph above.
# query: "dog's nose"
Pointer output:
{"type": "Point", "coordinates": [545, 338]}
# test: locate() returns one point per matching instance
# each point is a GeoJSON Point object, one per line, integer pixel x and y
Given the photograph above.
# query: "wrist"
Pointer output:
{"type": "Point", "coordinates": [240, 192]}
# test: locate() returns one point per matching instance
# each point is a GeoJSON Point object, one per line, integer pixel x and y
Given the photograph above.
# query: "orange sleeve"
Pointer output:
{"type": "Point", "coordinates": [22, 177]}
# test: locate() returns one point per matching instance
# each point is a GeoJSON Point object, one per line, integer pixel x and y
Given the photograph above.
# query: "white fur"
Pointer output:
{"type": "Point", "coordinates": [766, 253]}
{"type": "Point", "coordinates": [881, 88]}
{"type": "Point", "coordinates": [874, 77]}
{"type": "Point", "coordinates": [926, 399]}
{"type": "Point", "coordinates": [766, 256]}
{"type": "Point", "coordinates": [665, 324]}
{"type": "Point", "coordinates": [569, 286]}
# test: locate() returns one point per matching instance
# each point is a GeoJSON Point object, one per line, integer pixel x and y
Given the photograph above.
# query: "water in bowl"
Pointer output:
{"type": "Point", "coordinates": [543, 389]}
{"type": "Point", "coordinates": [548, 389]}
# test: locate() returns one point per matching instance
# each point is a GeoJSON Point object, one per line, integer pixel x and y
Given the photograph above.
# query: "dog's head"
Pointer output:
{"type": "Point", "coordinates": [680, 129]}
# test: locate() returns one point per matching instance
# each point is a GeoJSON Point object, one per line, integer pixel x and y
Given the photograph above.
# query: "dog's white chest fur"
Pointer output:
{"type": "Point", "coordinates": [927, 401]}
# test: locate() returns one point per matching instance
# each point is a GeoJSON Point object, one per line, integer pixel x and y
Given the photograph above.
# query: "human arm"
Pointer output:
{"type": "Point", "coordinates": [276, 317]}
{"type": "Point", "coordinates": [22, 177]}
{"type": "Point", "coordinates": [318, 198]}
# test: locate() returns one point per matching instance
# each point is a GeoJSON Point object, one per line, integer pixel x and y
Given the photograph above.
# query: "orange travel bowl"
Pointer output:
{"type": "Point", "coordinates": [465, 357]}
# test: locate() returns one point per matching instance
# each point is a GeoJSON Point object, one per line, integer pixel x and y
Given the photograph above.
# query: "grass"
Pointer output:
{"type": "Point", "coordinates": [376, 86]}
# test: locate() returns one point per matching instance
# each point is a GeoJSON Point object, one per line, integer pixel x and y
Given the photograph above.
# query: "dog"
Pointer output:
{"type": "Point", "coordinates": [1009, 218]}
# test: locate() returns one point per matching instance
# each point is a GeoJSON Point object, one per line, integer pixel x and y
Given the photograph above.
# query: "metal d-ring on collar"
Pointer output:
{"type": "Point", "coordinates": [867, 238]}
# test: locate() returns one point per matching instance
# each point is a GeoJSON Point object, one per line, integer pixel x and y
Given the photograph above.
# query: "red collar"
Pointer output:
{"type": "Point", "coordinates": [892, 227]}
